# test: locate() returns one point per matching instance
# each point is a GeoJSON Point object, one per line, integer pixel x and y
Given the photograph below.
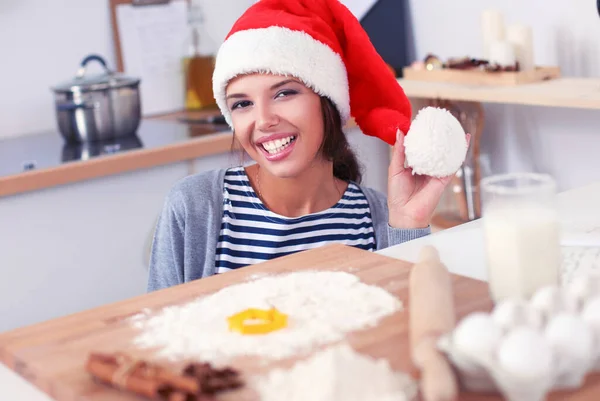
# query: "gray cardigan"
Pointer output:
{"type": "Point", "coordinates": [187, 230]}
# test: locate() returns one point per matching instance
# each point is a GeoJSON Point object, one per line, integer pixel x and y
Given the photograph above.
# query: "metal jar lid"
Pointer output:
{"type": "Point", "coordinates": [109, 79]}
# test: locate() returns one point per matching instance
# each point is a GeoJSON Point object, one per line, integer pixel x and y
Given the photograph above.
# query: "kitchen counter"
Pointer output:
{"type": "Point", "coordinates": [461, 249]}
{"type": "Point", "coordinates": [38, 161]}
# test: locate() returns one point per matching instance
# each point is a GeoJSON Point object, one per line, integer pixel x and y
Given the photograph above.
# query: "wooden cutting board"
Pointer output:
{"type": "Point", "coordinates": [51, 355]}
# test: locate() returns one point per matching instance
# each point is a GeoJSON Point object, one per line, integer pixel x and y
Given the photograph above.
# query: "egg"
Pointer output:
{"type": "Point", "coordinates": [548, 301]}
{"type": "Point", "coordinates": [525, 354]}
{"type": "Point", "coordinates": [594, 288]}
{"type": "Point", "coordinates": [582, 289]}
{"type": "Point", "coordinates": [511, 313]}
{"type": "Point", "coordinates": [477, 336]}
{"type": "Point", "coordinates": [591, 316]}
{"type": "Point", "coordinates": [572, 341]}
{"type": "Point", "coordinates": [591, 313]}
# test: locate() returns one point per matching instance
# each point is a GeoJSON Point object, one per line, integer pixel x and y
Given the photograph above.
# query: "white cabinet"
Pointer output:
{"type": "Point", "coordinates": [73, 247]}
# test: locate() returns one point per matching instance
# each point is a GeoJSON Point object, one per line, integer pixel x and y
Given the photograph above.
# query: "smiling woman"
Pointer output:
{"type": "Point", "coordinates": [286, 79]}
{"type": "Point", "coordinates": [295, 135]}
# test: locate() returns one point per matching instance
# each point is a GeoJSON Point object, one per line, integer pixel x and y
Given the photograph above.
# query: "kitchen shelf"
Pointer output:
{"type": "Point", "coordinates": [579, 93]}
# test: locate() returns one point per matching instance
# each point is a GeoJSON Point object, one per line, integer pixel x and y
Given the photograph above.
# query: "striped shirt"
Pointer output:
{"type": "Point", "coordinates": [250, 233]}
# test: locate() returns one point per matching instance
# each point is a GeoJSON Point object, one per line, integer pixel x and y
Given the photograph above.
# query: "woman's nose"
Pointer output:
{"type": "Point", "coordinates": [266, 118]}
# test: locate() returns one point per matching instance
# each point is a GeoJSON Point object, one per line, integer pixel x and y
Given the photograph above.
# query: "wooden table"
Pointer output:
{"type": "Point", "coordinates": [51, 355]}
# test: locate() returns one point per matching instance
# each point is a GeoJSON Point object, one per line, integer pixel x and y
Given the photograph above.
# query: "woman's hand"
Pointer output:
{"type": "Point", "coordinates": [412, 199]}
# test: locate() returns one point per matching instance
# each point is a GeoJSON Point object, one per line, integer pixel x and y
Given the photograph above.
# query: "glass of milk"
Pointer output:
{"type": "Point", "coordinates": [522, 235]}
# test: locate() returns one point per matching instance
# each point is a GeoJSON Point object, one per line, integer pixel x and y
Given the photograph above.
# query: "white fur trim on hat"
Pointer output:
{"type": "Point", "coordinates": [282, 51]}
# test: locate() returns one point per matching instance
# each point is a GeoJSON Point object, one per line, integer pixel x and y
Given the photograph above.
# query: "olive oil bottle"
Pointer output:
{"type": "Point", "coordinates": [198, 62]}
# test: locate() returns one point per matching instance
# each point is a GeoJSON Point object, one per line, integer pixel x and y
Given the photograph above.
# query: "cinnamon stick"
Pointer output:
{"type": "Point", "coordinates": [111, 363]}
{"type": "Point", "coordinates": [104, 368]}
{"type": "Point", "coordinates": [197, 381]}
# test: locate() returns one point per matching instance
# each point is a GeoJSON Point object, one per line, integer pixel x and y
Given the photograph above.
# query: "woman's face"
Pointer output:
{"type": "Point", "coordinates": [278, 121]}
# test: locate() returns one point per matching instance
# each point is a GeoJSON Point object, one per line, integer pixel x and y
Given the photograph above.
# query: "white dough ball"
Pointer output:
{"type": "Point", "coordinates": [572, 341]}
{"type": "Point", "coordinates": [477, 336]}
{"type": "Point", "coordinates": [436, 144]}
{"type": "Point", "coordinates": [524, 353]}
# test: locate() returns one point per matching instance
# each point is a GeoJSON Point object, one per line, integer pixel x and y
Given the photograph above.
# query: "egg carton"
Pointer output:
{"type": "Point", "coordinates": [525, 349]}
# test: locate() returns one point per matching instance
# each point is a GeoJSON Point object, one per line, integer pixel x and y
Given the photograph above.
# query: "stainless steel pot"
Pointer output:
{"type": "Point", "coordinates": [100, 107]}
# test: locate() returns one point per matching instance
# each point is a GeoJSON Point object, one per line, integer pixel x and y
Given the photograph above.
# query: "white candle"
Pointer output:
{"type": "Point", "coordinates": [502, 53]}
{"type": "Point", "coordinates": [522, 39]}
{"type": "Point", "coordinates": [492, 25]}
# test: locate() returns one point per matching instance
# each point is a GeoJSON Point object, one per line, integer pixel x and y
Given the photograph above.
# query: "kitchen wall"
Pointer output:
{"type": "Point", "coordinates": [561, 141]}
{"type": "Point", "coordinates": [42, 43]}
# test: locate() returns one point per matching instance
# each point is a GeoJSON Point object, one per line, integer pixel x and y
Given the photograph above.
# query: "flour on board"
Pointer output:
{"type": "Point", "coordinates": [337, 373]}
{"type": "Point", "coordinates": [322, 307]}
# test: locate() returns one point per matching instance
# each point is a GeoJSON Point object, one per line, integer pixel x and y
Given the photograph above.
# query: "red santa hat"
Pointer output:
{"type": "Point", "coordinates": [321, 43]}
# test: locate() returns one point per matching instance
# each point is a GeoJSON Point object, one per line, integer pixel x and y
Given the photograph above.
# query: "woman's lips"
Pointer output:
{"type": "Point", "coordinates": [285, 152]}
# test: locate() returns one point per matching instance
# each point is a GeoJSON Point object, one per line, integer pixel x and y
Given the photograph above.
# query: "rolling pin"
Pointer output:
{"type": "Point", "coordinates": [431, 308]}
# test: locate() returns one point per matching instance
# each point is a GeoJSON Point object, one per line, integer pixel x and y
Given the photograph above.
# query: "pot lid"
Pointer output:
{"type": "Point", "coordinates": [83, 82]}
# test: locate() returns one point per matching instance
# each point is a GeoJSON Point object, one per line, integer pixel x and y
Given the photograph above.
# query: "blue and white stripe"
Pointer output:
{"type": "Point", "coordinates": [250, 233]}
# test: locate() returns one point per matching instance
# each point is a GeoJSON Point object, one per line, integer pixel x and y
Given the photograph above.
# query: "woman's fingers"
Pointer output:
{"type": "Point", "coordinates": [397, 164]}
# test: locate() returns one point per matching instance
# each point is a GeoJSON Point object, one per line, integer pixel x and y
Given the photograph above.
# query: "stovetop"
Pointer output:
{"type": "Point", "coordinates": [49, 149]}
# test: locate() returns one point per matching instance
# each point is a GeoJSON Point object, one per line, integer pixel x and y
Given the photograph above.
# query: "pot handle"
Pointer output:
{"type": "Point", "coordinates": [91, 57]}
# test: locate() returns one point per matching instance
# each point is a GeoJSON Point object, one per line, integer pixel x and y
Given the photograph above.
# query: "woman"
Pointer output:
{"type": "Point", "coordinates": [285, 79]}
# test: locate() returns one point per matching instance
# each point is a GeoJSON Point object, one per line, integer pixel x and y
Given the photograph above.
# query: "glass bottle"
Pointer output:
{"type": "Point", "coordinates": [198, 62]}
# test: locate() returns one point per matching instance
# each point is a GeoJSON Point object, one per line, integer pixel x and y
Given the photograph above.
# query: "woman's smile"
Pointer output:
{"type": "Point", "coordinates": [277, 147]}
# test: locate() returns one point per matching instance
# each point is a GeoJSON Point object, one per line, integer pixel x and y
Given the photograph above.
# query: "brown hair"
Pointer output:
{"type": "Point", "coordinates": [335, 146]}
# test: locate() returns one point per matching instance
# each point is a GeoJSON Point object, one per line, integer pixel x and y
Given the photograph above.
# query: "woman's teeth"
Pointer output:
{"type": "Point", "coordinates": [278, 145]}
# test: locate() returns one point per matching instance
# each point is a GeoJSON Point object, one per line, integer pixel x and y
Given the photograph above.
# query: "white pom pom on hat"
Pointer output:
{"type": "Point", "coordinates": [436, 144]}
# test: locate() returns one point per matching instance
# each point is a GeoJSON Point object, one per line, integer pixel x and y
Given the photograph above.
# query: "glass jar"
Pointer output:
{"type": "Point", "coordinates": [522, 233]}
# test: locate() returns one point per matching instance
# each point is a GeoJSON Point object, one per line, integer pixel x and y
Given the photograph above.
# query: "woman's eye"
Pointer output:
{"type": "Point", "coordinates": [286, 92]}
{"type": "Point", "coordinates": [241, 104]}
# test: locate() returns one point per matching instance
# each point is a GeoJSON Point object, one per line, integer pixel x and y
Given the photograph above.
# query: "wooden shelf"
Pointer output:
{"type": "Point", "coordinates": [580, 93]}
